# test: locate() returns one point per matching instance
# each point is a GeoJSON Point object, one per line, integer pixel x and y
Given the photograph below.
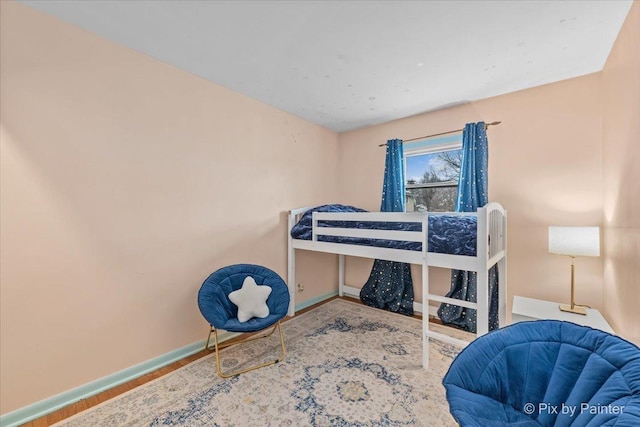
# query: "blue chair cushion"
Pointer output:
{"type": "Point", "coordinates": [528, 373]}
{"type": "Point", "coordinates": [221, 313]}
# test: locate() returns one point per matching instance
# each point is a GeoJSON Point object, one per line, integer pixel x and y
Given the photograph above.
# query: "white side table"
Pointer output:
{"type": "Point", "coordinates": [534, 309]}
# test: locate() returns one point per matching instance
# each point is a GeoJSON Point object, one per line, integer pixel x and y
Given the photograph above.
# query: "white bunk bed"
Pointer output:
{"type": "Point", "coordinates": [491, 249]}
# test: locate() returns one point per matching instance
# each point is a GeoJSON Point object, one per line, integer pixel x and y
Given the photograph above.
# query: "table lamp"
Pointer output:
{"type": "Point", "coordinates": [574, 242]}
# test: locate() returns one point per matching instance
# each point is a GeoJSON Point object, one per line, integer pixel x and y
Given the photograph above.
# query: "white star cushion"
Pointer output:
{"type": "Point", "coordinates": [251, 300]}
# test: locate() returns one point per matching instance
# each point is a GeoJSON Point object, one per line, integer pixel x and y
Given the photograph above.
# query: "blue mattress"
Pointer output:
{"type": "Point", "coordinates": [448, 234]}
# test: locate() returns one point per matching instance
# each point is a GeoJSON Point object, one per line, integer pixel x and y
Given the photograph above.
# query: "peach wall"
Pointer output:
{"type": "Point", "coordinates": [545, 167]}
{"type": "Point", "coordinates": [621, 141]}
{"type": "Point", "coordinates": [125, 182]}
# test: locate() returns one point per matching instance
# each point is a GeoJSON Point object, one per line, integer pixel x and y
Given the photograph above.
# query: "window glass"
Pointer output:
{"type": "Point", "coordinates": [432, 180]}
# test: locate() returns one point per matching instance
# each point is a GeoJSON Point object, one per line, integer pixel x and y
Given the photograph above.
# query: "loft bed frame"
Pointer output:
{"type": "Point", "coordinates": [491, 250]}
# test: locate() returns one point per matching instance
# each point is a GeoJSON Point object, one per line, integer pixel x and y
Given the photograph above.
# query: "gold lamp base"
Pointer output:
{"type": "Point", "coordinates": [575, 309]}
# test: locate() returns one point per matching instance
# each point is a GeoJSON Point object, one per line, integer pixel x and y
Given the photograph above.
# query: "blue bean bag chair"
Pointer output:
{"type": "Point", "coordinates": [545, 373]}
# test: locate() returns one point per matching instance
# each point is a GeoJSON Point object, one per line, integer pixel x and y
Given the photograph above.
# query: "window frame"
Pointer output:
{"type": "Point", "coordinates": [426, 146]}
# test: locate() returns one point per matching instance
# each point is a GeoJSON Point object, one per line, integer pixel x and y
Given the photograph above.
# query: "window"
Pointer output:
{"type": "Point", "coordinates": [432, 168]}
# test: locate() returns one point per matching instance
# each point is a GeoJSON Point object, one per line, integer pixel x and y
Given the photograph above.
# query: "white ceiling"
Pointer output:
{"type": "Point", "coordinates": [350, 64]}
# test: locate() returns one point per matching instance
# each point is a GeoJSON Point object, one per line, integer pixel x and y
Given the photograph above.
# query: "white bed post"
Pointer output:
{"type": "Point", "coordinates": [482, 274]}
{"type": "Point", "coordinates": [341, 275]}
{"type": "Point", "coordinates": [502, 273]}
{"type": "Point", "coordinates": [291, 275]}
{"type": "Point", "coordinates": [425, 292]}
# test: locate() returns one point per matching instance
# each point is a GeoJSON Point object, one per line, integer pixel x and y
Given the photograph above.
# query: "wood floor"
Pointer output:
{"type": "Point", "coordinates": [89, 402]}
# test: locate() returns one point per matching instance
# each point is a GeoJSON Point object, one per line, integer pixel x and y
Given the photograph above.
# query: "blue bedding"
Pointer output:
{"type": "Point", "coordinates": [448, 234]}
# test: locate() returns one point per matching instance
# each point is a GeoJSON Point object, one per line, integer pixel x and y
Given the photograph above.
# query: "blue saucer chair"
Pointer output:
{"type": "Point", "coordinates": [222, 314]}
{"type": "Point", "coordinates": [546, 373]}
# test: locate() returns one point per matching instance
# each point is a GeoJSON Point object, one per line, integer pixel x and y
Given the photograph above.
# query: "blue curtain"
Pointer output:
{"type": "Point", "coordinates": [472, 193]}
{"type": "Point", "coordinates": [389, 285]}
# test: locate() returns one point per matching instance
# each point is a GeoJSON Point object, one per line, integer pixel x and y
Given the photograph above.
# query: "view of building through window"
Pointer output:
{"type": "Point", "coordinates": [432, 180]}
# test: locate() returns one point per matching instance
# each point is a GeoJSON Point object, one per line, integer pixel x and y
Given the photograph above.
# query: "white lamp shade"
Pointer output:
{"type": "Point", "coordinates": [574, 241]}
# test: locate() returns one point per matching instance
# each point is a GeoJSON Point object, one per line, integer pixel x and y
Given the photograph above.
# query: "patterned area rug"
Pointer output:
{"type": "Point", "coordinates": [346, 365]}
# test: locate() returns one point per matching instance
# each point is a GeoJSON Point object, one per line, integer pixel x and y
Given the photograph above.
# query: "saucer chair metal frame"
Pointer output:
{"type": "Point", "coordinates": [221, 313]}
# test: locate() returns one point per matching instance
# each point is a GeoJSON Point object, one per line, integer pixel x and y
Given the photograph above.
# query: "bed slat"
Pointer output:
{"type": "Point", "coordinates": [403, 236]}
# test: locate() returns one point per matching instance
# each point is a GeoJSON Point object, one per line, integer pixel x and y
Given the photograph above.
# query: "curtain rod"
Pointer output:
{"type": "Point", "coordinates": [442, 133]}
